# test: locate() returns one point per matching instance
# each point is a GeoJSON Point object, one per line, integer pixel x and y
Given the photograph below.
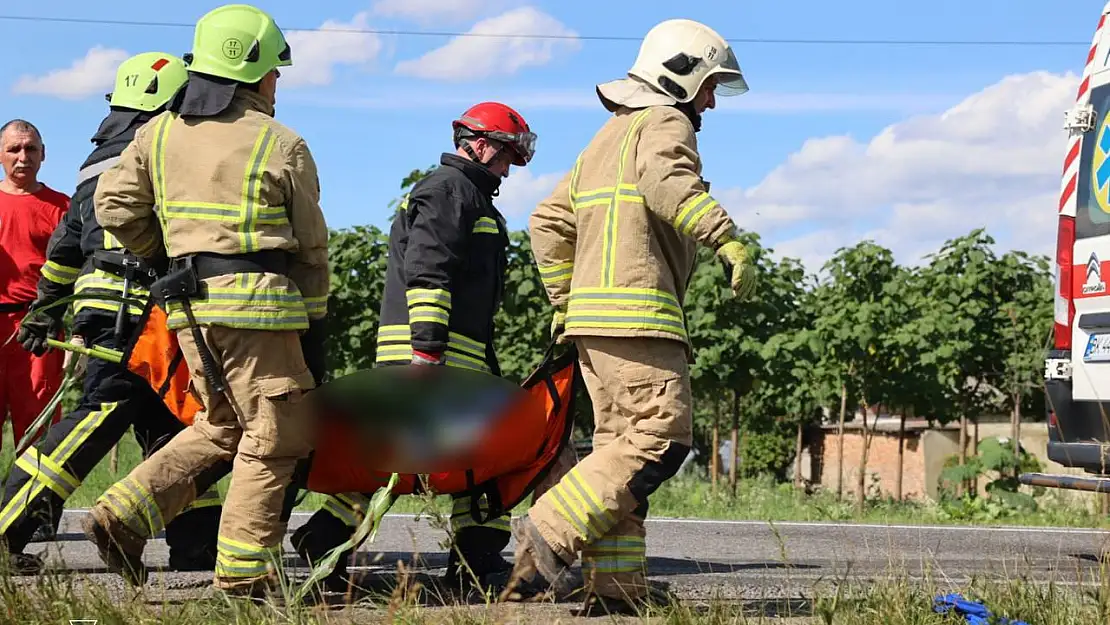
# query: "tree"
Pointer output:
{"type": "Point", "coordinates": [729, 336]}
{"type": "Point", "coordinates": [858, 311]}
{"type": "Point", "coordinates": [1025, 322]}
{"type": "Point", "coordinates": [357, 257]}
{"type": "Point", "coordinates": [960, 287]}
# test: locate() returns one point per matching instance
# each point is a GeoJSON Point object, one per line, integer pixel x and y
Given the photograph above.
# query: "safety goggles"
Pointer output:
{"type": "Point", "coordinates": [524, 143]}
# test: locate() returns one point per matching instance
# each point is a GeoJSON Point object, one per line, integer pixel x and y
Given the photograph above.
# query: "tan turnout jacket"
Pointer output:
{"type": "Point", "coordinates": [234, 183]}
{"type": "Point", "coordinates": [616, 241]}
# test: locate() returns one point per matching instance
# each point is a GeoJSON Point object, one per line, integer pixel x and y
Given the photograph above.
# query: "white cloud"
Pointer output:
{"type": "Point", "coordinates": [523, 190]}
{"type": "Point", "coordinates": [316, 53]}
{"type": "Point", "coordinates": [427, 12]}
{"type": "Point", "coordinates": [993, 160]}
{"type": "Point", "coordinates": [486, 52]}
{"type": "Point", "coordinates": [93, 74]}
{"type": "Point", "coordinates": [585, 100]}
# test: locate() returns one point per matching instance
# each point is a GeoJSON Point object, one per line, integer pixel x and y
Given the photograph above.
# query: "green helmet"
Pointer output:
{"type": "Point", "coordinates": [147, 81]}
{"type": "Point", "coordinates": [239, 42]}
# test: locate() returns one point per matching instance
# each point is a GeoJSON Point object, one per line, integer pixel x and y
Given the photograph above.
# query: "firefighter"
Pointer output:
{"type": "Point", "coordinates": [82, 258]}
{"type": "Point", "coordinates": [447, 256]}
{"type": "Point", "coordinates": [29, 212]}
{"type": "Point", "coordinates": [615, 245]}
{"type": "Point", "coordinates": [231, 197]}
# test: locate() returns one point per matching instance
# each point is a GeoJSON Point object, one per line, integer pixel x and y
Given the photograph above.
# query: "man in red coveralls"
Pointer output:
{"type": "Point", "coordinates": [29, 213]}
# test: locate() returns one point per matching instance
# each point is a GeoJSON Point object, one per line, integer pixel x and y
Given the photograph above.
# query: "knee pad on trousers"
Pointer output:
{"type": "Point", "coordinates": [648, 479]}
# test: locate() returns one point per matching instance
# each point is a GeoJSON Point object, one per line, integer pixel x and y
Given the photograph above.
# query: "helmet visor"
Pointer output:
{"type": "Point", "coordinates": [730, 80]}
{"type": "Point", "coordinates": [523, 143]}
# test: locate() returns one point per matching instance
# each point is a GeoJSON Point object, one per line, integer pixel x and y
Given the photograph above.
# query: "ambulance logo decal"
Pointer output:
{"type": "Point", "coordinates": [1100, 167]}
{"type": "Point", "coordinates": [1094, 283]}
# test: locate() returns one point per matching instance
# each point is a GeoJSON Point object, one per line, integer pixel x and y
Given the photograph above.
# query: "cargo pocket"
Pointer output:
{"type": "Point", "coordinates": [279, 426]}
{"type": "Point", "coordinates": [657, 401]}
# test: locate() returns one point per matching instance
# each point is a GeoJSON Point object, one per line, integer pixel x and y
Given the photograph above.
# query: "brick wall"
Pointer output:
{"type": "Point", "coordinates": [882, 461]}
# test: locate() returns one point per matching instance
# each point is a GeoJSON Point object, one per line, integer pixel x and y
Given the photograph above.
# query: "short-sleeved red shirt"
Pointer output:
{"type": "Point", "coordinates": [26, 223]}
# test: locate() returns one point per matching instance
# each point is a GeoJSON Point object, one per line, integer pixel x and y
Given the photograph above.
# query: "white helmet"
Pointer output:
{"type": "Point", "coordinates": [675, 58]}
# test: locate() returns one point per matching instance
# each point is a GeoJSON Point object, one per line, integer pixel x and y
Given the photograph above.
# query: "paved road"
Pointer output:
{"type": "Point", "coordinates": [732, 560]}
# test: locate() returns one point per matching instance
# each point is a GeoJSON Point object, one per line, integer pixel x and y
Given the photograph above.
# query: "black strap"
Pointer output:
{"type": "Point", "coordinates": [7, 307]}
{"type": "Point", "coordinates": [123, 264]}
{"type": "Point", "coordinates": [264, 261]}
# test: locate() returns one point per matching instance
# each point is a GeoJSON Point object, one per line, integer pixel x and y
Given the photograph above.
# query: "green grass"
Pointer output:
{"type": "Point", "coordinates": [687, 497]}
{"type": "Point", "coordinates": [893, 599]}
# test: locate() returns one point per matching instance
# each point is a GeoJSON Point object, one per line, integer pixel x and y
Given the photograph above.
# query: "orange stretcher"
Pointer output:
{"type": "Point", "coordinates": [515, 450]}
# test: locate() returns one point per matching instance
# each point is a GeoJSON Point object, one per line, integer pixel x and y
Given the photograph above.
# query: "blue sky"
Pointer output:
{"type": "Point", "coordinates": [796, 159]}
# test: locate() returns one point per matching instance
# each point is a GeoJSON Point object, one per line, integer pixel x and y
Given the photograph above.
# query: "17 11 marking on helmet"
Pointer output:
{"type": "Point", "coordinates": [233, 49]}
{"type": "Point", "coordinates": [710, 52]}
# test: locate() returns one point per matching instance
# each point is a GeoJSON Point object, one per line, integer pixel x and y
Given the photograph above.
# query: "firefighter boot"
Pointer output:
{"type": "Point", "coordinates": [312, 541]}
{"type": "Point", "coordinates": [654, 599]}
{"type": "Point", "coordinates": [536, 567]}
{"type": "Point", "coordinates": [21, 563]}
{"type": "Point", "coordinates": [191, 537]}
{"type": "Point", "coordinates": [119, 547]}
{"type": "Point", "coordinates": [475, 561]}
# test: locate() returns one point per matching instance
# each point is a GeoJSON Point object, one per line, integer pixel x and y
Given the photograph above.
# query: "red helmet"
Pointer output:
{"type": "Point", "coordinates": [498, 122]}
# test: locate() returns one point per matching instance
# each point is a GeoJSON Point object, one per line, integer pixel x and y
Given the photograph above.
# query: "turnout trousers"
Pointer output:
{"type": "Point", "coordinates": [261, 424]}
{"type": "Point", "coordinates": [640, 389]}
{"type": "Point", "coordinates": [48, 473]}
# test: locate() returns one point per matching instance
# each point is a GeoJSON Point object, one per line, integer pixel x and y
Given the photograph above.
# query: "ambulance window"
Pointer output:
{"type": "Point", "coordinates": [1092, 217]}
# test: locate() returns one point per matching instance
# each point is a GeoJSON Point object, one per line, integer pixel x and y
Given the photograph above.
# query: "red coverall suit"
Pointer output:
{"type": "Point", "coordinates": [27, 382]}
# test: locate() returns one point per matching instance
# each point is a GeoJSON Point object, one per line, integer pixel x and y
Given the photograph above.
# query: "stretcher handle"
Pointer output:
{"type": "Point", "coordinates": [95, 351]}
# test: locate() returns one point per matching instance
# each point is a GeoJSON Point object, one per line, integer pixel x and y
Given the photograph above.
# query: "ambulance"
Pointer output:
{"type": "Point", "coordinates": [1077, 367]}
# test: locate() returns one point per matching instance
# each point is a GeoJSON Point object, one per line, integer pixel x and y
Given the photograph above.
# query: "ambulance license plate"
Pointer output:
{"type": "Point", "coordinates": [1098, 348]}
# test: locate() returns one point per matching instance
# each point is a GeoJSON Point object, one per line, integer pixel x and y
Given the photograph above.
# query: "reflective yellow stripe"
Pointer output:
{"type": "Point", "coordinates": [316, 305]}
{"type": "Point", "coordinates": [61, 274]}
{"type": "Point", "coordinates": [581, 506]}
{"type": "Point", "coordinates": [341, 511]}
{"type": "Point", "coordinates": [460, 515]}
{"type": "Point", "coordinates": [603, 196]}
{"type": "Point", "coordinates": [608, 268]}
{"type": "Point", "coordinates": [110, 241]}
{"type": "Point", "coordinates": [486, 225]}
{"type": "Point", "coordinates": [616, 554]}
{"type": "Point", "coordinates": [134, 506]}
{"type": "Point", "coordinates": [61, 454]}
{"type": "Point", "coordinates": [441, 297]}
{"type": "Point", "coordinates": [556, 274]}
{"type": "Point", "coordinates": [692, 212]}
{"type": "Point", "coordinates": [238, 559]}
{"type": "Point", "coordinates": [252, 184]}
{"type": "Point", "coordinates": [208, 499]}
{"type": "Point", "coordinates": [625, 308]}
{"type": "Point", "coordinates": [394, 345]}
{"type": "Point", "coordinates": [158, 170]}
{"type": "Point", "coordinates": [40, 467]}
{"type": "Point", "coordinates": [244, 307]}
{"type": "Point", "coordinates": [428, 314]}
{"type": "Point", "coordinates": [623, 296]}
{"type": "Point", "coordinates": [99, 280]}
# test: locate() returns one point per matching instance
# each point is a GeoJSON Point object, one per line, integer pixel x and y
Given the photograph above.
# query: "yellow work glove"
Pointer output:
{"type": "Point", "coordinates": [558, 326]}
{"type": "Point", "coordinates": [743, 279]}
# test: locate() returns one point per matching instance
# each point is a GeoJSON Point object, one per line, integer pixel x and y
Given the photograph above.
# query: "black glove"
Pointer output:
{"type": "Point", "coordinates": [314, 349]}
{"type": "Point", "coordinates": [33, 332]}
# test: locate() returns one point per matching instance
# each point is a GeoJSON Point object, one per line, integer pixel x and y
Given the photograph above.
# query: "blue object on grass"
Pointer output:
{"type": "Point", "coordinates": [974, 613]}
